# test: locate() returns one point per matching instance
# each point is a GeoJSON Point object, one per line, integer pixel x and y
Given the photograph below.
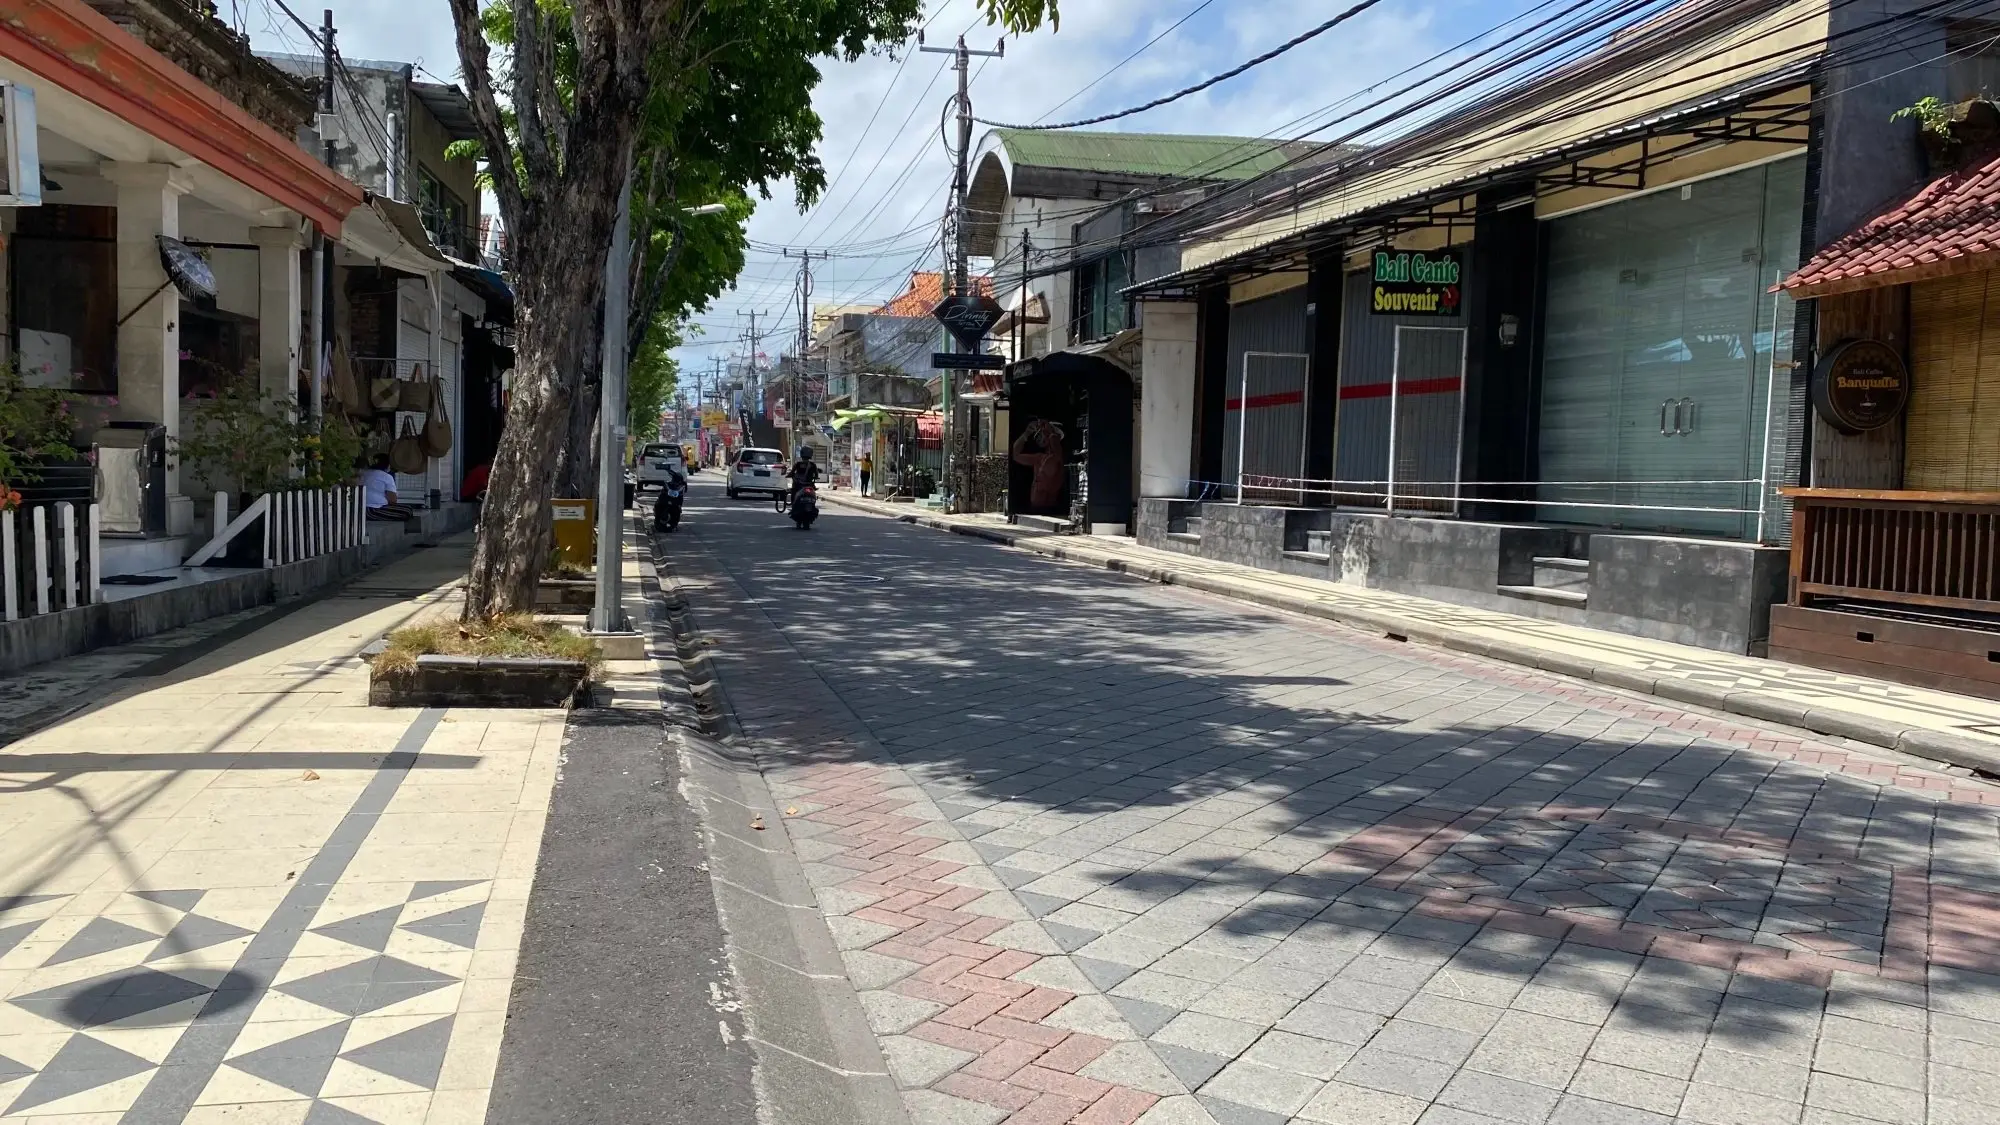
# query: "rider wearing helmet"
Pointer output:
{"type": "Point", "coordinates": [804, 471]}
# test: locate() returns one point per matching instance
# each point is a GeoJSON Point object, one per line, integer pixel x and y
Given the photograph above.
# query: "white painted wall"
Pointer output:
{"type": "Point", "coordinates": [1166, 401]}
{"type": "Point", "coordinates": [1050, 225]}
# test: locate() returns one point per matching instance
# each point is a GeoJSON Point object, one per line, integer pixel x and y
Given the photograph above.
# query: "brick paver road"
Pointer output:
{"type": "Point", "coordinates": [1104, 852]}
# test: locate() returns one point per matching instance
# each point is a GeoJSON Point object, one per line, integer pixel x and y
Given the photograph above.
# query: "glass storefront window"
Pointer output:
{"type": "Point", "coordinates": [1661, 344]}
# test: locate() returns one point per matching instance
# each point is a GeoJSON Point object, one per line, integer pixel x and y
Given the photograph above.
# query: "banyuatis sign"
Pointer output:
{"type": "Point", "coordinates": [1416, 283]}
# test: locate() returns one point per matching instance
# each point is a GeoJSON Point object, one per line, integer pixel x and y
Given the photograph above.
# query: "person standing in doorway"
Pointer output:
{"type": "Point", "coordinates": [867, 467]}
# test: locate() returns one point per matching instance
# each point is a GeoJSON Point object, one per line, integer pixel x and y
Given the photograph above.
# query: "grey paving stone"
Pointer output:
{"type": "Point", "coordinates": [1503, 1098]}
{"type": "Point", "coordinates": [416, 1056]}
{"type": "Point", "coordinates": [928, 1107]}
{"type": "Point", "coordinates": [1338, 1025]}
{"type": "Point", "coordinates": [82, 1063]}
{"type": "Point", "coordinates": [1425, 1041]}
{"type": "Point", "coordinates": [1396, 1074]}
{"type": "Point", "coordinates": [917, 1063]}
{"type": "Point", "coordinates": [1341, 1103]}
{"type": "Point", "coordinates": [1276, 1092]}
{"type": "Point", "coordinates": [891, 1013]}
{"type": "Point", "coordinates": [175, 900]}
{"type": "Point", "coordinates": [1068, 938]}
{"type": "Point", "coordinates": [1640, 1089]}
{"type": "Point", "coordinates": [1104, 974]}
{"type": "Point", "coordinates": [1203, 1032]}
{"type": "Point", "coordinates": [299, 1064]}
{"type": "Point", "coordinates": [1231, 1113]}
{"type": "Point", "coordinates": [1575, 1110]}
{"type": "Point", "coordinates": [1193, 1067]}
{"type": "Point", "coordinates": [99, 935]}
{"type": "Point", "coordinates": [369, 931]}
{"type": "Point", "coordinates": [458, 927]}
{"type": "Point", "coordinates": [1719, 1105]}
{"type": "Point", "coordinates": [1145, 1016]}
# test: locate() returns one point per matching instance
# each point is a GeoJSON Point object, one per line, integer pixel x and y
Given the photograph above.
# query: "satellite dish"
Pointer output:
{"type": "Point", "coordinates": [188, 270]}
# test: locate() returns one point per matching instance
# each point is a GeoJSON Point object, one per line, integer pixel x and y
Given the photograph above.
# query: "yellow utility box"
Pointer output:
{"type": "Point", "coordinates": [575, 531]}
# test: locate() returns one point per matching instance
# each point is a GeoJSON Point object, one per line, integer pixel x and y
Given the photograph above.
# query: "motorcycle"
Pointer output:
{"type": "Point", "coordinates": [667, 509]}
{"type": "Point", "coordinates": [805, 509]}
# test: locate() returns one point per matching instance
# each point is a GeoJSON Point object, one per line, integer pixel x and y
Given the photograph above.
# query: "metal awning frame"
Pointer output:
{"type": "Point", "coordinates": [1717, 121]}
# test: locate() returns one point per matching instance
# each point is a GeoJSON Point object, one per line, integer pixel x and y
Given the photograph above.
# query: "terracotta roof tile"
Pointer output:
{"type": "Point", "coordinates": [1946, 226]}
{"type": "Point", "coordinates": [926, 289]}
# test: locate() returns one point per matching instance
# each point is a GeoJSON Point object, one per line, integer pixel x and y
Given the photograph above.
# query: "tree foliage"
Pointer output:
{"type": "Point", "coordinates": [696, 100]}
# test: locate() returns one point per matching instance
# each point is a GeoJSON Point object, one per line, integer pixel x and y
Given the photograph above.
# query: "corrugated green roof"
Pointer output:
{"type": "Point", "coordinates": [1148, 154]}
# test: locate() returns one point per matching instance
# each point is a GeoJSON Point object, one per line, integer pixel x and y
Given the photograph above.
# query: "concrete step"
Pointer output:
{"type": "Point", "coordinates": [1562, 573]}
{"type": "Point", "coordinates": [1049, 524]}
{"type": "Point", "coordinates": [1191, 526]}
{"type": "Point", "coordinates": [117, 555]}
{"type": "Point", "coordinates": [1547, 595]}
{"type": "Point", "coordinates": [1317, 558]}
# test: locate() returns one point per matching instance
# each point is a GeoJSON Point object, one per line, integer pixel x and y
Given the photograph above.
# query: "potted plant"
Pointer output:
{"type": "Point", "coordinates": [35, 429]}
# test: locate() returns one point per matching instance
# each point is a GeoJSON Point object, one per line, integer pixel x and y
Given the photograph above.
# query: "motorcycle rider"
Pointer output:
{"type": "Point", "coordinates": [675, 486]}
{"type": "Point", "coordinates": [805, 471]}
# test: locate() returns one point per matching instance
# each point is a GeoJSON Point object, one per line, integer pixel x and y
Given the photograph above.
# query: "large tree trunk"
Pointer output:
{"type": "Point", "coordinates": [560, 271]}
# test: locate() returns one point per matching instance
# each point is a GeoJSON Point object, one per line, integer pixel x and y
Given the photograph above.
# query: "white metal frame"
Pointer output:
{"type": "Point", "coordinates": [1395, 406]}
{"type": "Point", "coordinates": [1243, 411]}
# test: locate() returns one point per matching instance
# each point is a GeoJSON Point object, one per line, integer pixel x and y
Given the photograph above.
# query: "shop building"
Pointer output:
{"type": "Point", "coordinates": [1055, 210]}
{"type": "Point", "coordinates": [136, 148]}
{"type": "Point", "coordinates": [1553, 374]}
{"type": "Point", "coordinates": [1895, 563]}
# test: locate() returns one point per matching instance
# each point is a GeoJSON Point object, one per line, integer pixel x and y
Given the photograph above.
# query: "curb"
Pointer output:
{"type": "Point", "coordinates": [1943, 747]}
{"type": "Point", "coordinates": [818, 1060]}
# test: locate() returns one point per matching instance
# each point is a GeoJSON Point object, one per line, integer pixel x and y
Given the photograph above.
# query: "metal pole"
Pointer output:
{"type": "Point", "coordinates": [326, 78]}
{"type": "Point", "coordinates": [1770, 396]}
{"type": "Point", "coordinates": [1242, 423]}
{"type": "Point", "coordinates": [1395, 392]}
{"type": "Point", "coordinates": [609, 614]}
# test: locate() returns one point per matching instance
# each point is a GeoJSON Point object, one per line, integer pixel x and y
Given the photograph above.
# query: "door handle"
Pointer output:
{"type": "Point", "coordinates": [1684, 426]}
{"type": "Point", "coordinates": [1664, 404]}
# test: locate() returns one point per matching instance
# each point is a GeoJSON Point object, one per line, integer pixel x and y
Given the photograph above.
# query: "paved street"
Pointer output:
{"type": "Point", "coordinates": [1102, 851]}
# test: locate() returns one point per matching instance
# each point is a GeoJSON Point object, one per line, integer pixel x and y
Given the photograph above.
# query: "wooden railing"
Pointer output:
{"type": "Point", "coordinates": [48, 559]}
{"type": "Point", "coordinates": [1935, 549]}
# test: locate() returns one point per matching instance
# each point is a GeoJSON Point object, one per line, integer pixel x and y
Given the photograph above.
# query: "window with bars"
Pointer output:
{"type": "Point", "coordinates": [445, 217]}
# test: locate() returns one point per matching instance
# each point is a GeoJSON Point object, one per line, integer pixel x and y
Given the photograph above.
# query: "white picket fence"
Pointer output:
{"type": "Point", "coordinates": [47, 562]}
{"type": "Point", "coordinates": [298, 525]}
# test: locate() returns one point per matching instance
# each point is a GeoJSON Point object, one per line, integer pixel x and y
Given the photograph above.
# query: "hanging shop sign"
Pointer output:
{"type": "Point", "coordinates": [1416, 283]}
{"type": "Point", "coordinates": [1861, 385]}
{"type": "Point", "coordinates": [968, 318]}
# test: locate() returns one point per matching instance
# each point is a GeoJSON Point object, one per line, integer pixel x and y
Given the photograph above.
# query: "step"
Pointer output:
{"type": "Point", "coordinates": [1547, 595]}
{"type": "Point", "coordinates": [1562, 573]}
{"type": "Point", "coordinates": [1316, 558]}
{"type": "Point", "coordinates": [119, 555]}
{"type": "Point", "coordinates": [1050, 524]}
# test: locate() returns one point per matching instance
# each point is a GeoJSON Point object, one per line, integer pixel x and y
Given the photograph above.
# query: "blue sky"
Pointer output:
{"type": "Point", "coordinates": [890, 179]}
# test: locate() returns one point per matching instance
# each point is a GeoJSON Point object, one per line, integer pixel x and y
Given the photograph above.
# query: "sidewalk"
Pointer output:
{"type": "Point", "coordinates": [1954, 729]}
{"type": "Point", "coordinates": [230, 890]}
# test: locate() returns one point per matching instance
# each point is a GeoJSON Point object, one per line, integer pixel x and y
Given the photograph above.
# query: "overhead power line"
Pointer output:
{"type": "Point", "coordinates": [1171, 28]}
{"type": "Point", "coordinates": [1198, 87]}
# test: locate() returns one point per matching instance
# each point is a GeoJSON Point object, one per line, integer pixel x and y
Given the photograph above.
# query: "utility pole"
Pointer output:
{"type": "Point", "coordinates": [795, 394]}
{"type": "Point", "coordinates": [609, 614]}
{"type": "Point", "coordinates": [326, 79]}
{"type": "Point", "coordinates": [322, 262]}
{"type": "Point", "coordinates": [961, 62]}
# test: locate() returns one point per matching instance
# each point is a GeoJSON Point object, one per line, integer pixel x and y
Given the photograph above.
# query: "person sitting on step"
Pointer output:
{"type": "Point", "coordinates": [378, 489]}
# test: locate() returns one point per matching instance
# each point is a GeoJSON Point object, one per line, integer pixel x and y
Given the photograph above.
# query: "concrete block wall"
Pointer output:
{"type": "Point", "coordinates": [1707, 593]}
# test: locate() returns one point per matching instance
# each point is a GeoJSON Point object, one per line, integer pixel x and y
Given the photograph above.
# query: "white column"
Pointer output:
{"type": "Point", "coordinates": [149, 342]}
{"type": "Point", "coordinates": [1166, 400]}
{"type": "Point", "coordinates": [280, 305]}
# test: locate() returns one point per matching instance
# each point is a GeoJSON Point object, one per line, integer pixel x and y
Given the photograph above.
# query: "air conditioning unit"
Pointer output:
{"type": "Point", "coordinates": [21, 162]}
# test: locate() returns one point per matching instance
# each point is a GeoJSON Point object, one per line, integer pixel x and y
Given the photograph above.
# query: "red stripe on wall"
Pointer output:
{"type": "Point", "coordinates": [1258, 402]}
{"type": "Point", "coordinates": [1413, 387]}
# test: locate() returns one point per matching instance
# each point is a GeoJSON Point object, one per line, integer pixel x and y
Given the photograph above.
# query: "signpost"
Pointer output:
{"type": "Point", "coordinates": [967, 361]}
{"type": "Point", "coordinates": [968, 317]}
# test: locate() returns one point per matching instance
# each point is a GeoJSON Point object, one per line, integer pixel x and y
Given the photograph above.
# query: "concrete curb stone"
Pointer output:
{"type": "Point", "coordinates": [818, 1060]}
{"type": "Point", "coordinates": [1933, 745]}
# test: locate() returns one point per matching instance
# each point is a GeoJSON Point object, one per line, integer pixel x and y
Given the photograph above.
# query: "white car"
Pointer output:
{"type": "Point", "coordinates": [758, 470]}
{"type": "Point", "coordinates": [656, 461]}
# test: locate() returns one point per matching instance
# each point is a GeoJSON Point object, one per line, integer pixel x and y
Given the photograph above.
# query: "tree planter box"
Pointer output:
{"type": "Point", "coordinates": [559, 595]}
{"type": "Point", "coordinates": [473, 681]}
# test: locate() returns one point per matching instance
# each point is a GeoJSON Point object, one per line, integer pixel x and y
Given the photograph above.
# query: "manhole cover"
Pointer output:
{"type": "Point", "coordinates": [847, 578]}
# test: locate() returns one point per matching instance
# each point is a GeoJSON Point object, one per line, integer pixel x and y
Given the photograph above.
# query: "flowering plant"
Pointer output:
{"type": "Point", "coordinates": [35, 426]}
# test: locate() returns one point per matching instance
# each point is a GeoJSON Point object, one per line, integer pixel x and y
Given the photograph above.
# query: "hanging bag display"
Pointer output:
{"type": "Point", "coordinates": [436, 438]}
{"type": "Point", "coordinates": [384, 394]}
{"type": "Point", "coordinates": [416, 391]}
{"type": "Point", "coordinates": [406, 453]}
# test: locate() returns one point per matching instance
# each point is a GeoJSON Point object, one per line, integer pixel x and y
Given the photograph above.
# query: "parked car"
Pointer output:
{"type": "Point", "coordinates": [757, 470]}
{"type": "Point", "coordinates": [656, 461]}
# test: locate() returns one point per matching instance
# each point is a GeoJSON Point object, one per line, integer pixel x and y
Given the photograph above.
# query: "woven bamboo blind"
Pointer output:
{"type": "Point", "coordinates": [1952, 439]}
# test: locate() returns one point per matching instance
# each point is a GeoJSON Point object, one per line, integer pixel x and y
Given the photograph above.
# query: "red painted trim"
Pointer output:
{"type": "Point", "coordinates": [70, 45]}
{"type": "Point", "coordinates": [1259, 402]}
{"type": "Point", "coordinates": [1413, 387]}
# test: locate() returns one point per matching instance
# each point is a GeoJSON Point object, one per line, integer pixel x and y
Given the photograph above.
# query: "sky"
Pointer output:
{"type": "Point", "coordinates": [887, 167]}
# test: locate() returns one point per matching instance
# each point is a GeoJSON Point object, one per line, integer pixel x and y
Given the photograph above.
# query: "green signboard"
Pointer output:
{"type": "Point", "coordinates": [1416, 283]}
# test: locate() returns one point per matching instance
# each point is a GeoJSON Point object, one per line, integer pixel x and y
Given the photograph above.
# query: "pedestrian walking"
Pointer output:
{"type": "Point", "coordinates": [867, 467]}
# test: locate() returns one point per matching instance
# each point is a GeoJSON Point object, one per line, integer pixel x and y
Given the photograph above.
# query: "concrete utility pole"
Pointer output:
{"type": "Point", "coordinates": [961, 62]}
{"type": "Point", "coordinates": [609, 614]}
{"type": "Point", "coordinates": [795, 394]}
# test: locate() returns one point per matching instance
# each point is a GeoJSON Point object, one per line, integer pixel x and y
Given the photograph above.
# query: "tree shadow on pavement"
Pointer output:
{"type": "Point", "coordinates": [1117, 753]}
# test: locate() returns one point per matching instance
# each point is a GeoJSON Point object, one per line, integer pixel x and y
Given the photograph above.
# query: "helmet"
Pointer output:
{"type": "Point", "coordinates": [805, 453]}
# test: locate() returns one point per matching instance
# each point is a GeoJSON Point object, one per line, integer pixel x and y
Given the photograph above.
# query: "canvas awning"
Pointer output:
{"type": "Point", "coordinates": [388, 233]}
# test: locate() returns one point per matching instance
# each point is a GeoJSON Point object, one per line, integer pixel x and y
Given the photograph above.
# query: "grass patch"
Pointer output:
{"type": "Point", "coordinates": [517, 635]}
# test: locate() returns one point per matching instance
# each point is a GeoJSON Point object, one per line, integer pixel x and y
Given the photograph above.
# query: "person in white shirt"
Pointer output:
{"type": "Point", "coordinates": [378, 492]}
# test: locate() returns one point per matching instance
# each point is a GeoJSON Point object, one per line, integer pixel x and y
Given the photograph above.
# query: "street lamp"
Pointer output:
{"type": "Point", "coordinates": [608, 616]}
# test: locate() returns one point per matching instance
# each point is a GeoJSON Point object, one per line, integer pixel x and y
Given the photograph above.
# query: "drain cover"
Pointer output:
{"type": "Point", "coordinates": [847, 578]}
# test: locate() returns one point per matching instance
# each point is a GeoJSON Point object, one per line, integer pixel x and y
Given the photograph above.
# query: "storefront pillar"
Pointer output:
{"type": "Point", "coordinates": [280, 305]}
{"type": "Point", "coordinates": [1167, 406]}
{"type": "Point", "coordinates": [149, 339]}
